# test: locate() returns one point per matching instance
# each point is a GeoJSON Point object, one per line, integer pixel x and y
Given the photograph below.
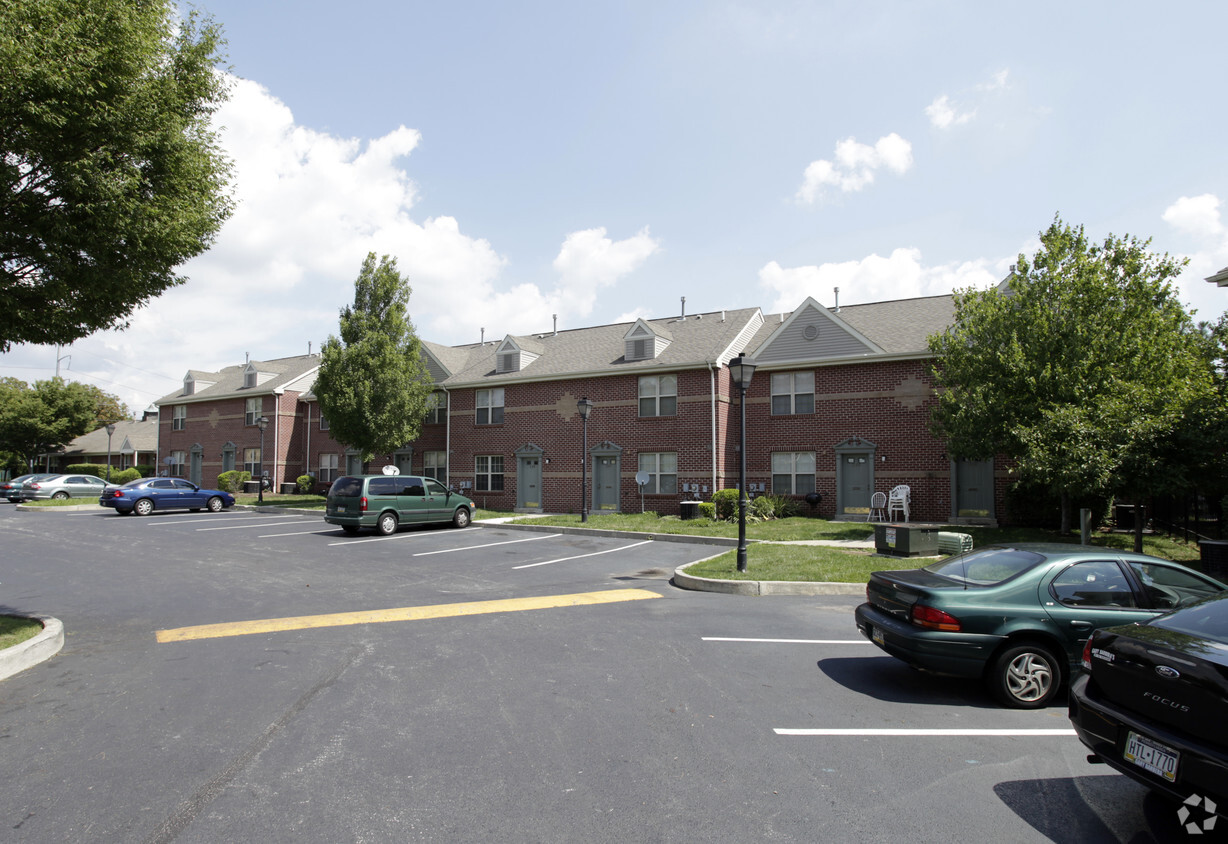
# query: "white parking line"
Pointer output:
{"type": "Point", "coordinates": [789, 641]}
{"type": "Point", "coordinates": [487, 545]}
{"type": "Point", "coordinates": [904, 732]}
{"type": "Point", "coordinates": [196, 519]}
{"type": "Point", "coordinates": [297, 533]}
{"type": "Point", "coordinates": [582, 556]}
{"type": "Point", "coordinates": [395, 536]}
{"type": "Point", "coordinates": [237, 527]}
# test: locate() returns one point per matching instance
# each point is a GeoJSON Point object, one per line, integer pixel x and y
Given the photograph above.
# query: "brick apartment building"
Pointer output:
{"type": "Point", "coordinates": [838, 405]}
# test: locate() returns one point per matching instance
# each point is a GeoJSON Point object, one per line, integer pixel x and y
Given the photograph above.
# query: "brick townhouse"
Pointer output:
{"type": "Point", "coordinates": [838, 406]}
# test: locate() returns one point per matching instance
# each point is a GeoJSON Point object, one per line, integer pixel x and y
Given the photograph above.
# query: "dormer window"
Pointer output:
{"type": "Point", "coordinates": [249, 378]}
{"type": "Point", "coordinates": [642, 342]}
{"type": "Point", "coordinates": [514, 354]}
{"type": "Point", "coordinates": [189, 386]}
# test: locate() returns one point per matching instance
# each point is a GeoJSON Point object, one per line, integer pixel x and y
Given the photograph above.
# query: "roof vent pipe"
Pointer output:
{"type": "Point", "coordinates": [683, 317]}
{"type": "Point", "coordinates": [556, 325]}
{"type": "Point", "coordinates": [308, 348]}
{"type": "Point", "coordinates": [483, 336]}
{"type": "Point", "coordinates": [837, 300]}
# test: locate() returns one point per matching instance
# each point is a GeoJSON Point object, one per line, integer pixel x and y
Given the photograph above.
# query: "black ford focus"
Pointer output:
{"type": "Point", "coordinates": [1152, 702]}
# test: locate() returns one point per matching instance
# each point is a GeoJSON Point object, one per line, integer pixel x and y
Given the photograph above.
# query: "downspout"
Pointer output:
{"type": "Point", "coordinates": [447, 438]}
{"type": "Point", "coordinates": [277, 394]}
{"type": "Point", "coordinates": [712, 379]}
{"type": "Point", "coordinates": [307, 453]}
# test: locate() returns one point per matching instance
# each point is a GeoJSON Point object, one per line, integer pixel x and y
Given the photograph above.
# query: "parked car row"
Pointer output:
{"type": "Point", "coordinates": [49, 485]}
{"type": "Point", "coordinates": [1141, 643]}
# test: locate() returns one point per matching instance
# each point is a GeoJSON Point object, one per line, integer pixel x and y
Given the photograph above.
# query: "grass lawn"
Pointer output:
{"type": "Point", "coordinates": [833, 564]}
{"type": "Point", "coordinates": [14, 630]}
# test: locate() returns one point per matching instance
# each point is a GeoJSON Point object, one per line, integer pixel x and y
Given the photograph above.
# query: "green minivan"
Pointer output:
{"type": "Point", "coordinates": [385, 502]}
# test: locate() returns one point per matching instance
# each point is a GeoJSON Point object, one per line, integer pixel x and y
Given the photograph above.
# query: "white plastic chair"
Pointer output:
{"type": "Point", "coordinates": [900, 500]}
{"type": "Point", "coordinates": [878, 504]}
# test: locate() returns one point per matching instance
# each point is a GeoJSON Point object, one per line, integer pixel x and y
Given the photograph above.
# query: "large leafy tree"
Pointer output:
{"type": "Point", "coordinates": [110, 174]}
{"type": "Point", "coordinates": [373, 386]}
{"type": "Point", "coordinates": [1082, 367]}
{"type": "Point", "coordinates": [45, 416]}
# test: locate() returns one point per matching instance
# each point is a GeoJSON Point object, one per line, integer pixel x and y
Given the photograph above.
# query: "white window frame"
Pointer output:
{"type": "Point", "coordinates": [486, 468]}
{"type": "Point", "coordinates": [489, 406]}
{"type": "Point", "coordinates": [658, 395]}
{"type": "Point", "coordinates": [790, 467]}
{"type": "Point", "coordinates": [437, 409]}
{"type": "Point", "coordinates": [179, 460]}
{"type": "Point", "coordinates": [792, 393]}
{"type": "Point", "coordinates": [253, 410]}
{"type": "Point", "coordinates": [662, 469]}
{"type": "Point", "coordinates": [329, 466]}
{"type": "Point", "coordinates": [323, 422]}
{"type": "Point", "coordinates": [435, 465]}
{"type": "Point", "coordinates": [179, 417]}
{"type": "Point", "coordinates": [252, 461]}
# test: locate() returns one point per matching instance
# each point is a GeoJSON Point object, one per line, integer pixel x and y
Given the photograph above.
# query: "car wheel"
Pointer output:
{"type": "Point", "coordinates": [143, 507]}
{"type": "Point", "coordinates": [460, 518]}
{"type": "Point", "coordinates": [350, 530]}
{"type": "Point", "coordinates": [387, 524]}
{"type": "Point", "coordinates": [1025, 676]}
{"type": "Point", "coordinates": [215, 504]}
{"type": "Point", "coordinates": [60, 496]}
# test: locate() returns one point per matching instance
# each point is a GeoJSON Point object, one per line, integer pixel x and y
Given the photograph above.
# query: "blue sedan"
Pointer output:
{"type": "Point", "coordinates": [148, 494]}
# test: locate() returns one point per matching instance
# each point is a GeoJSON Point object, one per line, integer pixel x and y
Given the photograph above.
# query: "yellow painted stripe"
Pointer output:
{"type": "Point", "coordinates": [341, 619]}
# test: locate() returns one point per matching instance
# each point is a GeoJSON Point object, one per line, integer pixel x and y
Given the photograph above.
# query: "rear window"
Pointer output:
{"type": "Point", "coordinates": [345, 488]}
{"type": "Point", "coordinates": [1207, 620]}
{"type": "Point", "coordinates": [986, 567]}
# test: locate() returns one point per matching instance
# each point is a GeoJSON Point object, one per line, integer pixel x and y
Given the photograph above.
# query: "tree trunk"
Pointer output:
{"type": "Point", "coordinates": [1065, 505]}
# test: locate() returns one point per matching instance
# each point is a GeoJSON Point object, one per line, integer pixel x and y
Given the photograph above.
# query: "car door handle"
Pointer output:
{"type": "Point", "coordinates": [1081, 625]}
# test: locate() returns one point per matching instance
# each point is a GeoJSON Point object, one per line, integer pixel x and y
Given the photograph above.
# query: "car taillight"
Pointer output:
{"type": "Point", "coordinates": [119, 493]}
{"type": "Point", "coordinates": [362, 504]}
{"type": "Point", "coordinates": [1087, 655]}
{"type": "Point", "coordinates": [934, 619]}
{"type": "Point", "coordinates": [35, 486]}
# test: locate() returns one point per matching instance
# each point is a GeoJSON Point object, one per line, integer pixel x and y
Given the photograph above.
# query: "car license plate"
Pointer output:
{"type": "Point", "coordinates": [876, 634]}
{"type": "Point", "coordinates": [1152, 756]}
{"type": "Point", "coordinates": [340, 508]}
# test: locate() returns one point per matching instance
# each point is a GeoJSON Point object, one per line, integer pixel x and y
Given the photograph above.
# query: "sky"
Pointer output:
{"type": "Point", "coordinates": [597, 162]}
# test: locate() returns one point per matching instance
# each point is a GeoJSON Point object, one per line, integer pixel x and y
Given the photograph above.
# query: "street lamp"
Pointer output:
{"type": "Point", "coordinates": [261, 423]}
{"type": "Point", "coordinates": [742, 369]}
{"type": "Point", "coordinates": [585, 407]}
{"type": "Point", "coordinates": [110, 431]}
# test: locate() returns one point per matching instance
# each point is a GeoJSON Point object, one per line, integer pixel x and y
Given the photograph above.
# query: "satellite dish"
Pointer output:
{"type": "Point", "coordinates": [642, 478]}
{"type": "Point", "coordinates": [391, 470]}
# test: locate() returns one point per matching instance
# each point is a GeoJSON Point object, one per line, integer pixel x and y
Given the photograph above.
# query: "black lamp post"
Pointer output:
{"type": "Point", "coordinates": [742, 369]}
{"type": "Point", "coordinates": [585, 407]}
{"type": "Point", "coordinates": [110, 431]}
{"type": "Point", "coordinates": [261, 423]}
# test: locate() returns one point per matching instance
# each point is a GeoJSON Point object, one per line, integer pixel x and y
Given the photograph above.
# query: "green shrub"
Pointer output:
{"type": "Point", "coordinates": [762, 508]}
{"type": "Point", "coordinates": [146, 471]}
{"type": "Point", "coordinates": [233, 480]}
{"type": "Point", "coordinates": [119, 477]}
{"type": "Point", "coordinates": [306, 483]}
{"type": "Point", "coordinates": [707, 510]}
{"type": "Point", "coordinates": [772, 506]}
{"type": "Point", "coordinates": [726, 503]}
{"type": "Point", "coordinates": [97, 469]}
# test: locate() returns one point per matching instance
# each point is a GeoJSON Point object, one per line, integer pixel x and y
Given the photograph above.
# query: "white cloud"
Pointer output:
{"type": "Point", "coordinates": [854, 166]}
{"type": "Point", "coordinates": [945, 113]}
{"type": "Point", "coordinates": [901, 275]}
{"type": "Point", "coordinates": [1197, 218]}
{"type": "Point", "coordinates": [1196, 215]}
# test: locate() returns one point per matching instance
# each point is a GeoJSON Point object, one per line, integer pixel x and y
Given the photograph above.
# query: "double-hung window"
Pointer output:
{"type": "Point", "coordinates": [437, 408]}
{"type": "Point", "coordinates": [254, 410]}
{"type": "Point", "coordinates": [178, 459]}
{"type": "Point", "coordinates": [435, 464]}
{"type": "Point", "coordinates": [328, 468]}
{"type": "Point", "coordinates": [251, 461]}
{"type": "Point", "coordinates": [323, 422]}
{"type": "Point", "coordinates": [488, 472]}
{"type": "Point", "coordinates": [179, 417]}
{"type": "Point", "coordinates": [662, 469]}
{"type": "Point", "coordinates": [658, 395]}
{"type": "Point", "coordinates": [792, 472]}
{"type": "Point", "coordinates": [792, 393]}
{"type": "Point", "coordinates": [490, 406]}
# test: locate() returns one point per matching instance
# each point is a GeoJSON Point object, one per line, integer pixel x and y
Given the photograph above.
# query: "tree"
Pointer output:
{"type": "Point", "coordinates": [1081, 367]}
{"type": "Point", "coordinates": [373, 386]}
{"type": "Point", "coordinates": [44, 417]}
{"type": "Point", "coordinates": [111, 175]}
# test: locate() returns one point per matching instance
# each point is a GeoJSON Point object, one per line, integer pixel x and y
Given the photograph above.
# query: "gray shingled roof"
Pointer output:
{"type": "Point", "coordinates": [143, 436]}
{"type": "Point", "coordinates": [696, 341]}
{"type": "Point", "coordinates": [899, 327]}
{"type": "Point", "coordinates": [229, 381]}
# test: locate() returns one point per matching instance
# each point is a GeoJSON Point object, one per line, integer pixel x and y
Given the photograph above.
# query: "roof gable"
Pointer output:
{"type": "Point", "coordinates": [813, 333]}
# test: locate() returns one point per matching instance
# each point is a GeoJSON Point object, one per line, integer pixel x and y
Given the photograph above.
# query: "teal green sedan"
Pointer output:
{"type": "Point", "coordinates": [1018, 615]}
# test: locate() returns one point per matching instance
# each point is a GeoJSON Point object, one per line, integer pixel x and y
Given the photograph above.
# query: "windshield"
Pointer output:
{"type": "Point", "coordinates": [986, 567]}
{"type": "Point", "coordinates": [1207, 619]}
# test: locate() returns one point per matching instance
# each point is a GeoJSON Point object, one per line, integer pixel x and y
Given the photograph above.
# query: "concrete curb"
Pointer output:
{"type": "Point", "coordinates": [762, 588]}
{"type": "Point", "coordinates": [33, 651]}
